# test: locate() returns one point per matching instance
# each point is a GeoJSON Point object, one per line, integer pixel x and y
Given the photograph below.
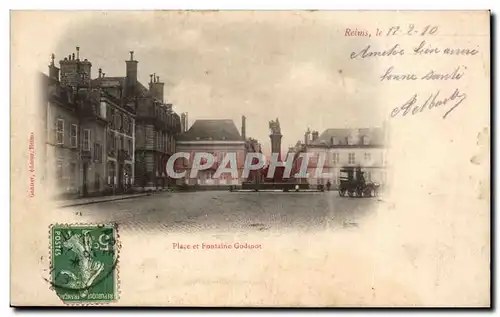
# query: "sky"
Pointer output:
{"type": "Point", "coordinates": [293, 66]}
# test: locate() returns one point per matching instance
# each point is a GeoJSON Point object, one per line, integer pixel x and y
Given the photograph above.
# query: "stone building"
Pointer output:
{"type": "Point", "coordinates": [61, 152]}
{"type": "Point", "coordinates": [141, 130]}
{"type": "Point", "coordinates": [156, 131]}
{"type": "Point", "coordinates": [218, 137]}
{"type": "Point", "coordinates": [74, 129]}
{"type": "Point", "coordinates": [347, 147]}
{"type": "Point", "coordinates": [118, 105]}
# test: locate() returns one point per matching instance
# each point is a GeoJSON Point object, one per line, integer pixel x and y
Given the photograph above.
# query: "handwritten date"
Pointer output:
{"type": "Point", "coordinates": [412, 30]}
{"type": "Point", "coordinates": [432, 101]}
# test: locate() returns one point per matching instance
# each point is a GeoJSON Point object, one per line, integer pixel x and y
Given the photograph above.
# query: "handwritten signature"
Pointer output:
{"type": "Point", "coordinates": [433, 101]}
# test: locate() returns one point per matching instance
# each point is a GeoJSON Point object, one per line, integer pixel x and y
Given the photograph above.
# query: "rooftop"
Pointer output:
{"type": "Point", "coordinates": [350, 137]}
{"type": "Point", "coordinates": [104, 82]}
{"type": "Point", "coordinates": [213, 130]}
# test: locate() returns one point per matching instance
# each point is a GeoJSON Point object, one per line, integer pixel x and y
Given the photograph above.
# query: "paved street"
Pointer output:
{"type": "Point", "coordinates": [224, 211]}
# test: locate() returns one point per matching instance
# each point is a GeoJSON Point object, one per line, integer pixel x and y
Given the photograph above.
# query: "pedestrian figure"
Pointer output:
{"type": "Point", "coordinates": [328, 185]}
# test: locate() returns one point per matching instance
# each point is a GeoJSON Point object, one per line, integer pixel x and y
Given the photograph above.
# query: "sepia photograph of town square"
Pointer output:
{"type": "Point", "coordinates": [118, 104]}
{"type": "Point", "coordinates": [247, 158]}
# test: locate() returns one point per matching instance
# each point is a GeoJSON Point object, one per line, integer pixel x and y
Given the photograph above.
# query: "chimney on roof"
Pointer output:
{"type": "Point", "coordinates": [244, 127]}
{"type": "Point", "coordinates": [75, 72]}
{"type": "Point", "coordinates": [315, 135]}
{"type": "Point", "coordinates": [53, 70]}
{"type": "Point", "coordinates": [307, 137]}
{"type": "Point", "coordinates": [131, 68]}
{"type": "Point", "coordinates": [156, 88]}
{"type": "Point", "coordinates": [100, 72]}
{"type": "Point", "coordinates": [183, 121]}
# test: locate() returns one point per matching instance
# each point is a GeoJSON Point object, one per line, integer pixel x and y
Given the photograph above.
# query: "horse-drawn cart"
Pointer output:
{"type": "Point", "coordinates": [353, 183]}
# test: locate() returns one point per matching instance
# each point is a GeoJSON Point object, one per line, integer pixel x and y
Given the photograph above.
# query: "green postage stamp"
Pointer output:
{"type": "Point", "coordinates": [84, 262]}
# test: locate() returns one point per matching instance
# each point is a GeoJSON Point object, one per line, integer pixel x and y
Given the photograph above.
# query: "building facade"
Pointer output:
{"type": "Point", "coordinates": [61, 150]}
{"type": "Point", "coordinates": [156, 131]}
{"type": "Point", "coordinates": [346, 147]}
{"type": "Point", "coordinates": [141, 130]}
{"type": "Point", "coordinates": [74, 129]}
{"type": "Point", "coordinates": [117, 106]}
{"type": "Point", "coordinates": [218, 137]}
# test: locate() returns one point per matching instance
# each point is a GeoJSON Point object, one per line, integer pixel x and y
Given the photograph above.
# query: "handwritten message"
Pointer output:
{"type": "Point", "coordinates": [416, 104]}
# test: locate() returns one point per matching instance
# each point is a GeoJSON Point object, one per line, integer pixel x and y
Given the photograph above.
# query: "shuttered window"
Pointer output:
{"type": "Point", "coordinates": [60, 131]}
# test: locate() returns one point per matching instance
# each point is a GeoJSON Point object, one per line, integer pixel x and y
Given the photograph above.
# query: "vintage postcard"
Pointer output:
{"type": "Point", "coordinates": [250, 158]}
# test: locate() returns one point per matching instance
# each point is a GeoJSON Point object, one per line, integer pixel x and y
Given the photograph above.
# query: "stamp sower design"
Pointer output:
{"type": "Point", "coordinates": [84, 259]}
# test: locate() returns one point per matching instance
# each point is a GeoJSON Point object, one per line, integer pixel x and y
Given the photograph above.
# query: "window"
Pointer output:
{"type": "Point", "coordinates": [352, 158]}
{"type": "Point", "coordinates": [368, 176]}
{"type": "Point", "coordinates": [97, 182]}
{"type": "Point", "coordinates": [59, 170]}
{"type": "Point", "coordinates": [117, 142]}
{"type": "Point", "coordinates": [86, 140]}
{"type": "Point", "coordinates": [122, 142]}
{"type": "Point", "coordinates": [126, 124]}
{"type": "Point", "coordinates": [98, 152]}
{"type": "Point", "coordinates": [365, 140]}
{"type": "Point", "coordinates": [349, 140]}
{"type": "Point", "coordinates": [72, 173]}
{"type": "Point", "coordinates": [60, 131]}
{"type": "Point", "coordinates": [103, 110]}
{"type": "Point", "coordinates": [74, 135]}
{"type": "Point", "coordinates": [111, 118]}
{"type": "Point", "coordinates": [336, 158]}
{"type": "Point", "coordinates": [111, 173]}
{"type": "Point", "coordinates": [368, 157]}
{"type": "Point", "coordinates": [118, 121]}
{"type": "Point", "coordinates": [111, 141]}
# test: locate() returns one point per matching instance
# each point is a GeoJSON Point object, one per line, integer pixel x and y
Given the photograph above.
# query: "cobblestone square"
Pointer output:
{"type": "Point", "coordinates": [225, 211]}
